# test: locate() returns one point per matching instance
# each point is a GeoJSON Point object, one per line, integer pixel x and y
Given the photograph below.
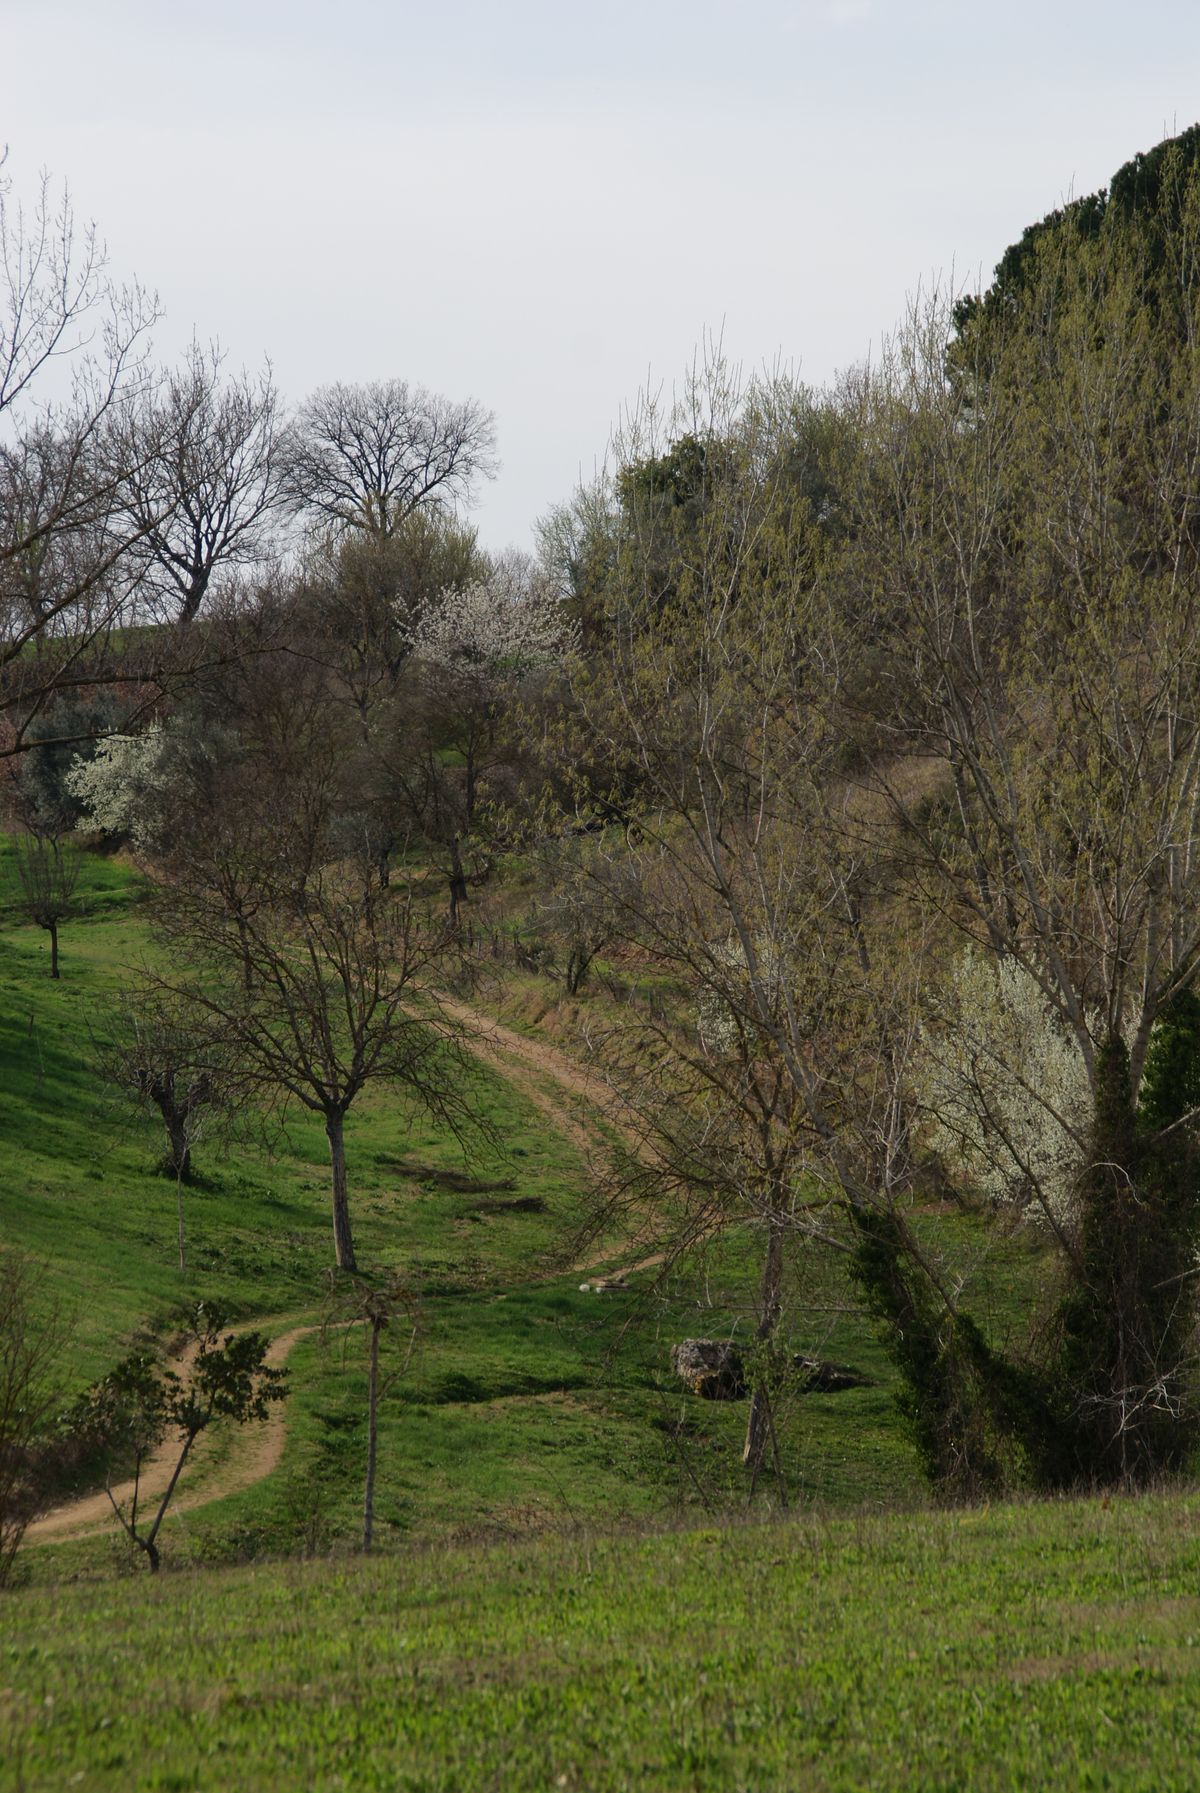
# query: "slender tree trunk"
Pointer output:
{"type": "Point", "coordinates": [247, 961]}
{"type": "Point", "coordinates": [458, 881]}
{"type": "Point", "coordinates": [53, 930]}
{"type": "Point", "coordinates": [578, 961]}
{"type": "Point", "coordinates": [148, 1543]}
{"type": "Point", "coordinates": [179, 1156]}
{"type": "Point", "coordinates": [758, 1428]}
{"type": "Point", "coordinates": [372, 1436]}
{"type": "Point", "coordinates": [343, 1239]}
{"type": "Point", "coordinates": [130, 1525]}
{"type": "Point", "coordinates": [179, 1216]}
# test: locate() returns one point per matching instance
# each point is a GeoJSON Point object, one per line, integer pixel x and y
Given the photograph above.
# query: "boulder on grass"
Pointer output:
{"type": "Point", "coordinates": [711, 1368]}
{"type": "Point", "coordinates": [714, 1370]}
{"type": "Point", "coordinates": [824, 1378]}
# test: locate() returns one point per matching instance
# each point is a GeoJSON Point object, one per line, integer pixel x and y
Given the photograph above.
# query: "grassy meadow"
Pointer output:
{"type": "Point", "coordinates": [569, 1590]}
{"type": "Point", "coordinates": [529, 1403]}
{"type": "Point", "coordinates": [1053, 1645]}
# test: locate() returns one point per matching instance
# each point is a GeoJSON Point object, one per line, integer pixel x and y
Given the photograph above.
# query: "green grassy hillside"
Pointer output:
{"type": "Point", "coordinates": [1029, 1646]}
{"type": "Point", "coordinates": [530, 1403]}
{"type": "Point", "coordinates": [80, 1187]}
{"type": "Point", "coordinates": [542, 1611]}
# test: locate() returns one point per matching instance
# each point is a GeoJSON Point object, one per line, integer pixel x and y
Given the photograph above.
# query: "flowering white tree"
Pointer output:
{"type": "Point", "coordinates": [114, 785]}
{"type": "Point", "coordinates": [497, 630]}
{"type": "Point", "coordinates": [478, 645]}
{"type": "Point", "coordinates": [725, 998]}
{"type": "Point", "coordinates": [1007, 1086]}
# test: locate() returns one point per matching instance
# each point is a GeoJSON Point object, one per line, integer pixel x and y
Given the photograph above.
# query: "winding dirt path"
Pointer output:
{"type": "Point", "coordinates": [257, 1450]}
{"type": "Point", "coordinates": [526, 1063]}
{"type": "Point", "coordinates": [536, 1059]}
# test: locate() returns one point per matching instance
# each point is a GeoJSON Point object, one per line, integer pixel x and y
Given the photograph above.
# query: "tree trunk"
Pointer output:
{"type": "Point", "coordinates": [193, 596]}
{"type": "Point", "coordinates": [1127, 1334]}
{"type": "Point", "coordinates": [758, 1428]}
{"type": "Point", "coordinates": [148, 1543]}
{"type": "Point", "coordinates": [578, 961]}
{"type": "Point", "coordinates": [458, 882]}
{"type": "Point", "coordinates": [179, 1215]}
{"type": "Point", "coordinates": [372, 1436]}
{"type": "Point", "coordinates": [247, 961]}
{"type": "Point", "coordinates": [343, 1239]}
{"type": "Point", "coordinates": [179, 1154]}
{"type": "Point", "coordinates": [53, 930]}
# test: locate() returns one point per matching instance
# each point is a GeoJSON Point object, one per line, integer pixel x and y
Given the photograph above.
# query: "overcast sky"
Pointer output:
{"type": "Point", "coordinates": [546, 206]}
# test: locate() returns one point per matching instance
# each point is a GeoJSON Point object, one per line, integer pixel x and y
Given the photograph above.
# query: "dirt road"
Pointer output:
{"type": "Point", "coordinates": [255, 1451]}
{"type": "Point", "coordinates": [529, 1063]}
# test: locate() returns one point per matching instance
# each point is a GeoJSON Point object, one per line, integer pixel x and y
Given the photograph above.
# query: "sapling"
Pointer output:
{"type": "Point", "coordinates": [375, 1306]}
{"type": "Point", "coordinates": [139, 1404]}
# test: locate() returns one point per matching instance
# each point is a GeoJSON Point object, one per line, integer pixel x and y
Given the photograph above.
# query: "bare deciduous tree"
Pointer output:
{"type": "Point", "coordinates": [964, 710]}
{"type": "Point", "coordinates": [364, 457]}
{"type": "Point", "coordinates": [750, 1092]}
{"type": "Point", "coordinates": [47, 870]}
{"type": "Point", "coordinates": [63, 583]}
{"type": "Point", "coordinates": [313, 982]}
{"type": "Point", "coordinates": [147, 1050]}
{"type": "Point", "coordinates": [74, 367]}
{"type": "Point", "coordinates": [204, 478]}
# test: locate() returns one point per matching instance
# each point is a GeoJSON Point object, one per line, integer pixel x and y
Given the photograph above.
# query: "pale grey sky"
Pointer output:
{"type": "Point", "coordinates": [545, 207]}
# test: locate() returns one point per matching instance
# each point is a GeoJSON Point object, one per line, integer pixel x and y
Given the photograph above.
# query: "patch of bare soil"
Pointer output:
{"type": "Point", "coordinates": [529, 1064]}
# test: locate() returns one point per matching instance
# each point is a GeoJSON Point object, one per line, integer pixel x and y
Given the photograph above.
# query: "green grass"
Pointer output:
{"type": "Point", "coordinates": [515, 1413]}
{"type": "Point", "coordinates": [80, 1189]}
{"type": "Point", "coordinates": [529, 1404]}
{"type": "Point", "coordinates": [104, 886]}
{"type": "Point", "coordinates": [538, 1613]}
{"type": "Point", "coordinates": [1025, 1646]}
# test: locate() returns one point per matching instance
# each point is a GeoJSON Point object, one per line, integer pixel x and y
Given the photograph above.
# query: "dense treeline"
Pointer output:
{"type": "Point", "coordinates": [865, 718]}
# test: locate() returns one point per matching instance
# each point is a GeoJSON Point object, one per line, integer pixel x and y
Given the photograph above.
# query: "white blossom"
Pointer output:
{"type": "Point", "coordinates": [496, 630]}
{"type": "Point", "coordinates": [726, 1003]}
{"type": "Point", "coordinates": [114, 784]}
{"type": "Point", "coordinates": [1006, 1084]}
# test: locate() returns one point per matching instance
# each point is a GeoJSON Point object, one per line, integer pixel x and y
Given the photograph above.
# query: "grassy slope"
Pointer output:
{"type": "Point", "coordinates": [79, 1186]}
{"type": "Point", "coordinates": [519, 1412]}
{"type": "Point", "coordinates": [1028, 1646]}
{"type": "Point", "coordinates": [1032, 1645]}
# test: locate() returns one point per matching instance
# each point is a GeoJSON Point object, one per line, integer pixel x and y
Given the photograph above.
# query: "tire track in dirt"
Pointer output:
{"type": "Point", "coordinates": [502, 1046]}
